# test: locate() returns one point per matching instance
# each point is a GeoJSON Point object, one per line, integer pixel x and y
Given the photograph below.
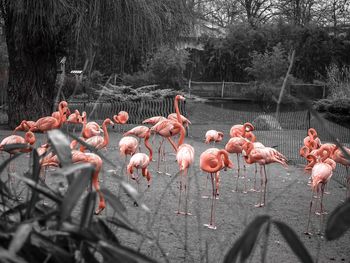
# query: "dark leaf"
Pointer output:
{"type": "Point", "coordinates": [88, 210]}
{"type": "Point", "coordinates": [245, 244]}
{"type": "Point", "coordinates": [61, 145]}
{"type": "Point", "coordinates": [122, 254]}
{"type": "Point", "coordinates": [78, 233]}
{"type": "Point", "coordinates": [339, 221]}
{"type": "Point", "coordinates": [104, 232]}
{"type": "Point", "coordinates": [50, 247]}
{"type": "Point", "coordinates": [42, 189]}
{"type": "Point", "coordinates": [6, 256]}
{"type": "Point", "coordinates": [35, 177]}
{"type": "Point", "coordinates": [72, 168]}
{"type": "Point", "coordinates": [77, 187]}
{"type": "Point", "coordinates": [114, 201]}
{"type": "Point", "coordinates": [7, 161]}
{"type": "Point", "coordinates": [294, 242]}
{"type": "Point", "coordinates": [121, 223]}
{"type": "Point", "coordinates": [87, 255]}
{"type": "Point", "coordinates": [19, 238]}
{"type": "Point", "coordinates": [14, 146]}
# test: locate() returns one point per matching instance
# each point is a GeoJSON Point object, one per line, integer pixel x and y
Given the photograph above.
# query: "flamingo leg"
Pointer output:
{"type": "Point", "coordinates": [186, 191]}
{"type": "Point", "coordinates": [265, 186]}
{"type": "Point", "coordinates": [180, 188]}
{"type": "Point", "coordinates": [217, 185]}
{"type": "Point", "coordinates": [102, 203]}
{"type": "Point", "coordinates": [256, 171]}
{"type": "Point", "coordinates": [261, 185]}
{"type": "Point", "coordinates": [206, 187]}
{"type": "Point", "coordinates": [211, 224]}
{"type": "Point", "coordinates": [238, 166]}
{"type": "Point", "coordinates": [308, 221]}
{"type": "Point", "coordinates": [159, 155]}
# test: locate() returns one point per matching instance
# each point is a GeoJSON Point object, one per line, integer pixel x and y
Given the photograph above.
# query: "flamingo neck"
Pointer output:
{"type": "Point", "coordinates": [176, 104]}
{"type": "Point", "coordinates": [223, 153]}
{"type": "Point", "coordinates": [182, 135]}
{"type": "Point", "coordinates": [105, 134]}
{"type": "Point", "coordinates": [148, 146]}
{"type": "Point", "coordinates": [312, 161]}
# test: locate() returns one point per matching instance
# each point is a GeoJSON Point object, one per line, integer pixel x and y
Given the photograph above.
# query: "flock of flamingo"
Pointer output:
{"type": "Point", "coordinates": [322, 158]}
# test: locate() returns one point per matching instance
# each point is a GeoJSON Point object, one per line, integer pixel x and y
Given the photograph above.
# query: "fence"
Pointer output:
{"type": "Point", "coordinates": [243, 90]}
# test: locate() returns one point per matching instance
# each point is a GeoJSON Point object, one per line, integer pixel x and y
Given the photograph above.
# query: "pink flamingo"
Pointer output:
{"type": "Point", "coordinates": [312, 136]}
{"type": "Point", "coordinates": [45, 124]}
{"type": "Point", "coordinates": [262, 156]}
{"type": "Point", "coordinates": [213, 136]}
{"type": "Point", "coordinates": [142, 132]}
{"type": "Point", "coordinates": [240, 130]}
{"type": "Point", "coordinates": [140, 161]}
{"type": "Point", "coordinates": [321, 173]}
{"type": "Point", "coordinates": [339, 157]}
{"type": "Point", "coordinates": [98, 141]}
{"type": "Point", "coordinates": [89, 128]}
{"type": "Point", "coordinates": [24, 126]}
{"type": "Point", "coordinates": [128, 146]}
{"type": "Point", "coordinates": [212, 161]}
{"type": "Point", "coordinates": [121, 118]}
{"type": "Point", "coordinates": [184, 121]}
{"type": "Point", "coordinates": [154, 120]}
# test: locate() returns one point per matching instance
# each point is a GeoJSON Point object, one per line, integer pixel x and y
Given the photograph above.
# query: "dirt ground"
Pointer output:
{"type": "Point", "coordinates": [178, 238]}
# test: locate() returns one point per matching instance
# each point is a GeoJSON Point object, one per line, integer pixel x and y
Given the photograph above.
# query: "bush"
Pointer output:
{"type": "Point", "coordinates": [338, 81]}
{"type": "Point", "coordinates": [139, 79]}
{"type": "Point", "coordinates": [337, 110]}
{"type": "Point", "coordinates": [268, 66]}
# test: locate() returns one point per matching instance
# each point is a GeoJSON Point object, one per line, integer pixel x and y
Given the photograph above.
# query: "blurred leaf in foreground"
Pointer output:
{"type": "Point", "coordinates": [339, 221]}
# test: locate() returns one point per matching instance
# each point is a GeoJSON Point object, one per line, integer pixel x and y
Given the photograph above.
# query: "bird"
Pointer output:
{"type": "Point", "coordinates": [128, 146]}
{"type": "Point", "coordinates": [184, 158]}
{"type": "Point", "coordinates": [235, 145]}
{"type": "Point", "coordinates": [184, 121]}
{"type": "Point", "coordinates": [262, 156]}
{"type": "Point", "coordinates": [213, 136]}
{"type": "Point", "coordinates": [212, 161]}
{"type": "Point", "coordinates": [153, 120]}
{"type": "Point", "coordinates": [98, 141]}
{"type": "Point", "coordinates": [45, 124]}
{"type": "Point", "coordinates": [240, 130]}
{"type": "Point", "coordinates": [312, 136]}
{"type": "Point", "coordinates": [339, 157]}
{"type": "Point", "coordinates": [121, 118]}
{"type": "Point", "coordinates": [89, 128]}
{"type": "Point", "coordinates": [321, 173]}
{"type": "Point", "coordinates": [75, 118]}
{"type": "Point", "coordinates": [142, 132]}
{"type": "Point", "coordinates": [24, 126]}
{"type": "Point", "coordinates": [139, 161]}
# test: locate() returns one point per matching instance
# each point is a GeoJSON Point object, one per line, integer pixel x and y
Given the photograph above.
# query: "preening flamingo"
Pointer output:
{"type": "Point", "coordinates": [184, 121]}
{"type": "Point", "coordinates": [312, 137]}
{"type": "Point", "coordinates": [142, 132]}
{"type": "Point", "coordinates": [154, 120]}
{"type": "Point", "coordinates": [240, 130]}
{"type": "Point", "coordinates": [121, 118]}
{"type": "Point", "coordinates": [140, 161]}
{"type": "Point", "coordinates": [212, 161]}
{"type": "Point", "coordinates": [213, 136]}
{"type": "Point", "coordinates": [45, 124]}
{"type": "Point", "coordinates": [321, 173]}
{"type": "Point", "coordinates": [262, 156]}
{"type": "Point", "coordinates": [24, 126]}
{"type": "Point", "coordinates": [98, 141]}
{"type": "Point", "coordinates": [89, 128]}
{"type": "Point", "coordinates": [339, 157]}
{"type": "Point", "coordinates": [128, 146]}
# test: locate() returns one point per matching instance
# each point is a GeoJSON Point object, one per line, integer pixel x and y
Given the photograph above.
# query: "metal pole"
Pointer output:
{"type": "Point", "coordinates": [222, 89]}
{"type": "Point", "coordinates": [189, 88]}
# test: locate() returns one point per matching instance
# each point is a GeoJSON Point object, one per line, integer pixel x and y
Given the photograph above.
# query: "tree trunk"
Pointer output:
{"type": "Point", "coordinates": [32, 74]}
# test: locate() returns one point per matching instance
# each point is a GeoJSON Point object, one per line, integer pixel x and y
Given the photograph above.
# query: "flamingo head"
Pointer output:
{"type": "Point", "coordinates": [108, 121]}
{"type": "Point", "coordinates": [179, 97]}
{"type": "Point", "coordinates": [30, 137]}
{"type": "Point", "coordinates": [248, 127]}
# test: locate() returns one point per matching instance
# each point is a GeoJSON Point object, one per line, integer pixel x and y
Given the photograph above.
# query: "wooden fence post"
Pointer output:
{"type": "Point", "coordinates": [222, 89]}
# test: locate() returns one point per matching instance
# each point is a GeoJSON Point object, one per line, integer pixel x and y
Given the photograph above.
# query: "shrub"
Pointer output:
{"type": "Point", "coordinates": [268, 66]}
{"type": "Point", "coordinates": [338, 81]}
{"type": "Point", "coordinates": [139, 79]}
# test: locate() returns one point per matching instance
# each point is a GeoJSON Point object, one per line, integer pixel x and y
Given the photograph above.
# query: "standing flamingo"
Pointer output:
{"type": "Point", "coordinates": [339, 157]}
{"type": "Point", "coordinates": [24, 126]}
{"type": "Point", "coordinates": [321, 173]}
{"type": "Point", "coordinates": [184, 158]}
{"type": "Point", "coordinates": [262, 156]}
{"type": "Point", "coordinates": [89, 128]}
{"type": "Point", "coordinates": [213, 136]}
{"type": "Point", "coordinates": [240, 130]}
{"type": "Point", "coordinates": [98, 141]}
{"type": "Point", "coordinates": [142, 132]}
{"type": "Point", "coordinates": [212, 161]}
{"type": "Point", "coordinates": [121, 118]}
{"type": "Point", "coordinates": [154, 120]}
{"type": "Point", "coordinates": [312, 136]}
{"type": "Point", "coordinates": [128, 146]}
{"type": "Point", "coordinates": [184, 121]}
{"type": "Point", "coordinates": [140, 161]}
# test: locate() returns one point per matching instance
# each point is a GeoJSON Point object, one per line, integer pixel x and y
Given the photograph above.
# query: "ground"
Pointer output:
{"type": "Point", "coordinates": [185, 239]}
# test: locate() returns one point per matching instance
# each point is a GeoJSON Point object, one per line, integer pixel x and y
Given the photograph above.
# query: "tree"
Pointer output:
{"type": "Point", "coordinates": [38, 32]}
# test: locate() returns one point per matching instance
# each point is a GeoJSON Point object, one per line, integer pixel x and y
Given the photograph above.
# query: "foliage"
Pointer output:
{"type": "Point", "coordinates": [32, 232]}
{"type": "Point", "coordinates": [337, 110]}
{"type": "Point", "coordinates": [268, 66]}
{"type": "Point", "coordinates": [167, 66]}
{"type": "Point", "coordinates": [138, 79]}
{"type": "Point", "coordinates": [338, 81]}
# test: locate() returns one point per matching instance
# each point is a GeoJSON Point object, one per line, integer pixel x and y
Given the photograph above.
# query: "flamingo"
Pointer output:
{"type": "Point", "coordinates": [154, 120]}
{"type": "Point", "coordinates": [212, 161]}
{"type": "Point", "coordinates": [98, 141]}
{"type": "Point", "coordinates": [240, 130]}
{"type": "Point", "coordinates": [321, 173]}
{"type": "Point", "coordinates": [121, 118]}
{"type": "Point", "coordinates": [24, 126]}
{"type": "Point", "coordinates": [235, 145]}
{"type": "Point", "coordinates": [140, 161]}
{"type": "Point", "coordinates": [262, 156]}
{"type": "Point", "coordinates": [339, 157]}
{"type": "Point", "coordinates": [213, 136]}
{"type": "Point", "coordinates": [45, 124]}
{"type": "Point", "coordinates": [89, 128]}
{"type": "Point", "coordinates": [312, 136]}
{"type": "Point", "coordinates": [128, 146]}
{"type": "Point", "coordinates": [184, 158]}
{"type": "Point", "coordinates": [142, 132]}
{"type": "Point", "coordinates": [184, 121]}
